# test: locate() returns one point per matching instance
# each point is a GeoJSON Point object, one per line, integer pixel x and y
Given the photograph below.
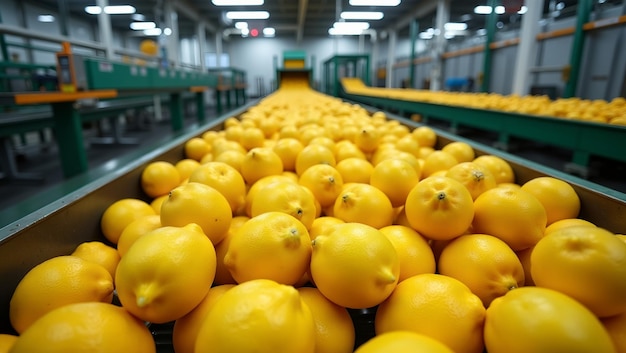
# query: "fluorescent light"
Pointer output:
{"type": "Point", "coordinates": [237, 2]}
{"type": "Point", "coordinates": [138, 17]}
{"type": "Point", "coordinates": [119, 10]}
{"type": "Point", "coordinates": [45, 18]}
{"type": "Point", "coordinates": [455, 26]}
{"type": "Point", "coordinates": [486, 10]}
{"type": "Point", "coordinates": [111, 10]}
{"type": "Point", "coordinates": [362, 15]}
{"type": "Point", "coordinates": [269, 32]}
{"type": "Point", "coordinates": [241, 25]}
{"type": "Point", "coordinates": [245, 31]}
{"type": "Point", "coordinates": [167, 31]}
{"type": "Point", "coordinates": [344, 31]}
{"type": "Point", "coordinates": [247, 15]}
{"type": "Point", "coordinates": [140, 26]}
{"type": "Point", "coordinates": [152, 32]}
{"type": "Point", "coordinates": [93, 10]}
{"type": "Point", "coordinates": [375, 2]}
{"type": "Point", "coordinates": [523, 10]}
{"type": "Point", "coordinates": [351, 25]}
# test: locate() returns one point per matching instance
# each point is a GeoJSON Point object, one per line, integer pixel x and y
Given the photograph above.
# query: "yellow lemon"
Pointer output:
{"type": "Point", "coordinates": [396, 178]}
{"type": "Point", "coordinates": [557, 197]}
{"type": "Point", "coordinates": [200, 204]}
{"type": "Point", "coordinates": [403, 342]}
{"type": "Point", "coordinates": [334, 330]}
{"type": "Point", "coordinates": [439, 208]}
{"type": "Point", "coordinates": [272, 245]}
{"type": "Point", "coordinates": [437, 306]}
{"type": "Point", "coordinates": [159, 178]}
{"type": "Point", "coordinates": [57, 282]}
{"type": "Point", "coordinates": [6, 342]}
{"type": "Point", "coordinates": [413, 250]}
{"type": "Point", "coordinates": [120, 214]}
{"type": "Point", "coordinates": [287, 197]}
{"type": "Point", "coordinates": [223, 178]}
{"type": "Point", "coordinates": [484, 263]}
{"type": "Point", "coordinates": [86, 328]}
{"type": "Point", "coordinates": [355, 170]}
{"type": "Point", "coordinates": [355, 265]}
{"type": "Point", "coordinates": [260, 162]}
{"type": "Point", "coordinates": [324, 181]}
{"type": "Point", "coordinates": [222, 274]}
{"type": "Point", "coordinates": [365, 204]}
{"type": "Point", "coordinates": [258, 316]}
{"type": "Point", "coordinates": [534, 319]}
{"type": "Point", "coordinates": [166, 273]}
{"type": "Point", "coordinates": [185, 331]}
{"type": "Point", "coordinates": [99, 253]}
{"type": "Point", "coordinates": [586, 263]}
{"type": "Point", "coordinates": [135, 230]}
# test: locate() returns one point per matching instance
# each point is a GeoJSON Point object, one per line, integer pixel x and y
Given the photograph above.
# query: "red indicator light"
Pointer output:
{"type": "Point", "coordinates": [254, 32]}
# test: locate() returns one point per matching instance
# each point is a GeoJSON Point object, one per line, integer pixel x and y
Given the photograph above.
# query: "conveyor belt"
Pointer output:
{"type": "Point", "coordinates": [59, 227]}
{"type": "Point", "coordinates": [583, 138]}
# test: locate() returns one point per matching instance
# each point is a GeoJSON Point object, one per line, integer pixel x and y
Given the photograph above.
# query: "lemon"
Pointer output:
{"type": "Point", "coordinates": [200, 204]}
{"type": "Point", "coordinates": [334, 330]}
{"type": "Point", "coordinates": [437, 306]}
{"type": "Point", "coordinates": [99, 253]}
{"type": "Point", "coordinates": [258, 316]}
{"type": "Point", "coordinates": [363, 203]}
{"type": "Point", "coordinates": [286, 197]}
{"type": "Point", "coordinates": [166, 273]}
{"type": "Point", "coordinates": [354, 265]}
{"type": "Point", "coordinates": [534, 319]}
{"type": "Point", "coordinates": [586, 263]}
{"type": "Point", "coordinates": [186, 328]}
{"type": "Point", "coordinates": [403, 342]}
{"type": "Point", "coordinates": [6, 342]}
{"type": "Point", "coordinates": [120, 214]}
{"type": "Point", "coordinates": [86, 328]}
{"type": "Point", "coordinates": [57, 282]}
{"type": "Point", "coordinates": [272, 245]}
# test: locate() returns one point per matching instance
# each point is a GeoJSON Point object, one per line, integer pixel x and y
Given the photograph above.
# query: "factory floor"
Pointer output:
{"type": "Point", "coordinates": [43, 159]}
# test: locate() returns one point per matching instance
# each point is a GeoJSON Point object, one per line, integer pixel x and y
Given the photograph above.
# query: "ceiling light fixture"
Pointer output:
{"type": "Point", "coordinates": [140, 26]}
{"type": "Point", "coordinates": [247, 15]}
{"type": "Point", "coordinates": [360, 26]}
{"type": "Point", "coordinates": [455, 26]}
{"type": "Point", "coordinates": [344, 31]}
{"type": "Point", "coordinates": [45, 18]}
{"type": "Point", "coordinates": [375, 2]}
{"type": "Point", "coordinates": [241, 25]}
{"type": "Point", "coordinates": [486, 10]}
{"type": "Point", "coordinates": [269, 32]}
{"type": "Point", "coordinates": [237, 2]}
{"type": "Point", "coordinates": [152, 32]}
{"type": "Point", "coordinates": [111, 10]}
{"type": "Point", "coordinates": [362, 15]}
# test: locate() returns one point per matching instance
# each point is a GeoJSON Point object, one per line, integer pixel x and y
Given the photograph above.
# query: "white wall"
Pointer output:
{"type": "Point", "coordinates": [256, 55]}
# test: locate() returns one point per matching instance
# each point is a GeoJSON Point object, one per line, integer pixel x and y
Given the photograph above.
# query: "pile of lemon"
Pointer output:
{"type": "Point", "coordinates": [575, 108]}
{"type": "Point", "coordinates": [305, 206]}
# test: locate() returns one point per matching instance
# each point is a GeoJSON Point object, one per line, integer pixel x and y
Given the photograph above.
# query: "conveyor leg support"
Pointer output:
{"type": "Point", "coordinates": [200, 109]}
{"type": "Point", "coordinates": [176, 111]}
{"type": "Point", "coordinates": [579, 164]}
{"type": "Point", "coordinates": [503, 142]}
{"type": "Point", "coordinates": [218, 101]}
{"type": "Point", "coordinates": [69, 134]}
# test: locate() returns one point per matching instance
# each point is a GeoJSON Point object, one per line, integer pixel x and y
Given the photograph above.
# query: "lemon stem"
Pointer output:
{"type": "Point", "coordinates": [441, 195]}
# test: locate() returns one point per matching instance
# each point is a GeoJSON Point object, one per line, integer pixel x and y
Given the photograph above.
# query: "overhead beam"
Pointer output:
{"type": "Point", "coordinates": [302, 8]}
{"type": "Point", "coordinates": [193, 13]}
{"type": "Point", "coordinates": [421, 10]}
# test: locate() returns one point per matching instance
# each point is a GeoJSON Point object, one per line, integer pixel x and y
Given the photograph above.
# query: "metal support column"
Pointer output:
{"type": "Point", "coordinates": [443, 16]}
{"type": "Point", "coordinates": [69, 136]}
{"type": "Point", "coordinates": [578, 45]}
{"type": "Point", "coordinates": [201, 45]}
{"type": "Point", "coordinates": [171, 21]}
{"type": "Point", "coordinates": [106, 33]}
{"type": "Point", "coordinates": [414, 29]}
{"type": "Point", "coordinates": [3, 45]}
{"type": "Point", "coordinates": [527, 49]}
{"type": "Point", "coordinates": [391, 52]}
{"type": "Point", "coordinates": [492, 20]}
{"type": "Point", "coordinates": [64, 17]}
{"type": "Point", "coordinates": [176, 111]}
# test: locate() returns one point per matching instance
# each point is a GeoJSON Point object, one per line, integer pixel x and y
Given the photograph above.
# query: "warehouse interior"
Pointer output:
{"type": "Point", "coordinates": [95, 91]}
{"type": "Point", "coordinates": [403, 34]}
